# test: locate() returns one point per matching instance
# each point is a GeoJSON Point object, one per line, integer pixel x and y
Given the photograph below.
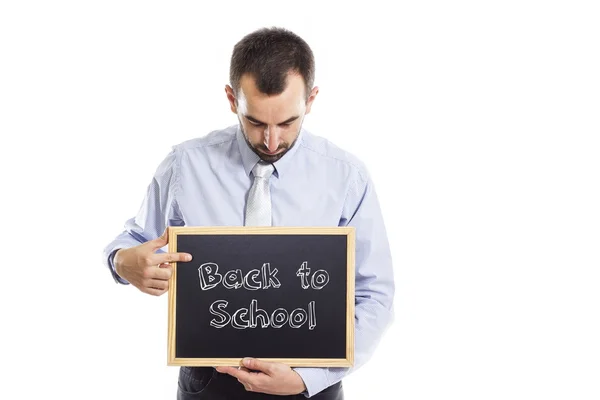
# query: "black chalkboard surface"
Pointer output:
{"type": "Point", "coordinates": [282, 294]}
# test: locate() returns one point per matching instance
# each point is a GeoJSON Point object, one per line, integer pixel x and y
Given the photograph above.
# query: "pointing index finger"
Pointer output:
{"type": "Point", "coordinates": [172, 257]}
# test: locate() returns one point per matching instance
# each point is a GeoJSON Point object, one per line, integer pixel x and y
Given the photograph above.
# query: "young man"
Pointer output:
{"type": "Point", "coordinates": [266, 170]}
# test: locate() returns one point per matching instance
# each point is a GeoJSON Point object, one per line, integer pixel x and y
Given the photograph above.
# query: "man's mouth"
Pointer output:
{"type": "Point", "coordinates": [271, 153]}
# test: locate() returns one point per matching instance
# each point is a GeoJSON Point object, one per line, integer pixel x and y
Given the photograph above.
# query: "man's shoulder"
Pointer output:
{"type": "Point", "coordinates": [210, 140]}
{"type": "Point", "coordinates": [323, 147]}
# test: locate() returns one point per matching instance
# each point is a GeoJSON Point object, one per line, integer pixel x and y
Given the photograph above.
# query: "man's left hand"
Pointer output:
{"type": "Point", "coordinates": [266, 377]}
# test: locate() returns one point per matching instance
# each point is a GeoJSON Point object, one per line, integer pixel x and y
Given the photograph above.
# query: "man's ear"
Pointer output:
{"type": "Point", "coordinates": [311, 98]}
{"type": "Point", "coordinates": [231, 99]}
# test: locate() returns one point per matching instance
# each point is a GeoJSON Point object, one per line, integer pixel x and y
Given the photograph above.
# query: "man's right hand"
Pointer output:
{"type": "Point", "coordinates": [145, 269]}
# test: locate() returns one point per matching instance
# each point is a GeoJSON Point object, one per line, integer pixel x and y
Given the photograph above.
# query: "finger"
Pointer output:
{"type": "Point", "coordinates": [226, 370]}
{"type": "Point", "coordinates": [258, 365]}
{"type": "Point", "coordinates": [158, 284]}
{"type": "Point", "coordinates": [153, 292]}
{"type": "Point", "coordinates": [237, 373]}
{"type": "Point", "coordinates": [160, 241]}
{"type": "Point", "coordinates": [163, 274]}
{"type": "Point", "coordinates": [246, 385]}
{"type": "Point", "coordinates": [161, 258]}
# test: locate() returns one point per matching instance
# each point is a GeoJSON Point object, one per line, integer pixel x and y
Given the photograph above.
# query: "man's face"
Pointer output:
{"type": "Point", "coordinates": [271, 124]}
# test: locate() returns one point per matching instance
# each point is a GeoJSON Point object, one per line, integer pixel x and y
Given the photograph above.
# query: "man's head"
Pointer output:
{"type": "Point", "coordinates": [272, 73]}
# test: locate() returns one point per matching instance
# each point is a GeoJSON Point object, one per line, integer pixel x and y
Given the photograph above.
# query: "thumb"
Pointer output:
{"type": "Point", "coordinates": [160, 241]}
{"type": "Point", "coordinates": [257, 365]}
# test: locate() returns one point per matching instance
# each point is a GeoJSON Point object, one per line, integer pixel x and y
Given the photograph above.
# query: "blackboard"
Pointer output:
{"type": "Point", "coordinates": [283, 294]}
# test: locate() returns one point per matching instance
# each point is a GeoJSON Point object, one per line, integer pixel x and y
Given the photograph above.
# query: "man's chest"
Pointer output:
{"type": "Point", "coordinates": [296, 200]}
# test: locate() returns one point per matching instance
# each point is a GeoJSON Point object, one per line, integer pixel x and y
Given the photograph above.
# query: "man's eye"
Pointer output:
{"type": "Point", "coordinates": [255, 123]}
{"type": "Point", "coordinates": [286, 124]}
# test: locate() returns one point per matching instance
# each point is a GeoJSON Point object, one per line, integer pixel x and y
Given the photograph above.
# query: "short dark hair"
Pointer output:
{"type": "Point", "coordinates": [268, 55]}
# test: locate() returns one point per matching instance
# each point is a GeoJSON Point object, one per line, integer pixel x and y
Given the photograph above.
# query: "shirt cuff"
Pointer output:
{"type": "Point", "coordinates": [113, 270]}
{"type": "Point", "coordinates": [315, 380]}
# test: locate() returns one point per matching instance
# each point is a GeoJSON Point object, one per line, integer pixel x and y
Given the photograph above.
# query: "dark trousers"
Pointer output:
{"type": "Point", "coordinates": [199, 383]}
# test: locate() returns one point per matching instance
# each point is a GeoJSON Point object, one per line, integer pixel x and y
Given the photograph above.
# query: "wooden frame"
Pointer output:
{"type": "Point", "coordinates": [349, 232]}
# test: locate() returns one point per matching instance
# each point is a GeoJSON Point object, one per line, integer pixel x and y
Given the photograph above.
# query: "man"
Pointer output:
{"type": "Point", "coordinates": [267, 170]}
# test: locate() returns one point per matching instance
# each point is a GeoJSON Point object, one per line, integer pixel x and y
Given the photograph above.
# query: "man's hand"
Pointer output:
{"type": "Point", "coordinates": [266, 377]}
{"type": "Point", "coordinates": [145, 269]}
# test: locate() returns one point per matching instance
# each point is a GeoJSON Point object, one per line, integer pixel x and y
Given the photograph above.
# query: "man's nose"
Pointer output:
{"type": "Point", "coordinates": [272, 136]}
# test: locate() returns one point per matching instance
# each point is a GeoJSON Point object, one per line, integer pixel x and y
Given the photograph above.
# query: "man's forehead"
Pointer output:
{"type": "Point", "coordinates": [261, 106]}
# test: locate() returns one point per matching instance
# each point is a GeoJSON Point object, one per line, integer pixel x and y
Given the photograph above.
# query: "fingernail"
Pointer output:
{"type": "Point", "coordinates": [188, 258]}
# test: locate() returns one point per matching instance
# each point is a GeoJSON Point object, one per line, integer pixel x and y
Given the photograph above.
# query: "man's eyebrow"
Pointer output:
{"type": "Point", "coordinates": [287, 121]}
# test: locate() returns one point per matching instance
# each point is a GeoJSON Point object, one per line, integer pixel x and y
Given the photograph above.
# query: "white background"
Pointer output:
{"type": "Point", "coordinates": [478, 120]}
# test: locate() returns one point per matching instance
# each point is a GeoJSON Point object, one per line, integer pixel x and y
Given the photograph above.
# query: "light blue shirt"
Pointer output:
{"type": "Point", "coordinates": [205, 182]}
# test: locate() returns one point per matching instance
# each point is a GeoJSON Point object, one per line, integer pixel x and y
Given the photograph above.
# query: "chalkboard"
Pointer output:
{"type": "Point", "coordinates": [283, 294]}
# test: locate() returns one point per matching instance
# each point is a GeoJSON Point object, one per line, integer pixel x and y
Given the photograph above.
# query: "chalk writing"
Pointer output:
{"type": "Point", "coordinates": [253, 280]}
{"type": "Point", "coordinates": [248, 317]}
{"type": "Point", "coordinates": [318, 280]}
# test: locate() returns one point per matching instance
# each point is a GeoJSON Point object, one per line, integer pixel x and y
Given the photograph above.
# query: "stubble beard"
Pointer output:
{"type": "Point", "coordinates": [266, 157]}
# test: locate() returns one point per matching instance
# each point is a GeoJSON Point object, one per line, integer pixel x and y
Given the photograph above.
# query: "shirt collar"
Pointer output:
{"type": "Point", "coordinates": [250, 158]}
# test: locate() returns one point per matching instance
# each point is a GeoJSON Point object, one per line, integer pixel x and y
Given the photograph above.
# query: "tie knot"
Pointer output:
{"type": "Point", "coordinates": [263, 170]}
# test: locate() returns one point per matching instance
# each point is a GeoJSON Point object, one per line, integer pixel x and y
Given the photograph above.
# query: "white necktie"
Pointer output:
{"type": "Point", "coordinates": [258, 206]}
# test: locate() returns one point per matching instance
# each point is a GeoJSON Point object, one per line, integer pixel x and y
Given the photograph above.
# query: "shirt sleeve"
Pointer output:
{"type": "Point", "coordinates": [374, 282]}
{"type": "Point", "coordinates": [159, 209]}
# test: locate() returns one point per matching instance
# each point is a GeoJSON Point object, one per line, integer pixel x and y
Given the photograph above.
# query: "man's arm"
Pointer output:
{"type": "Point", "coordinates": [374, 285]}
{"type": "Point", "coordinates": [159, 209]}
